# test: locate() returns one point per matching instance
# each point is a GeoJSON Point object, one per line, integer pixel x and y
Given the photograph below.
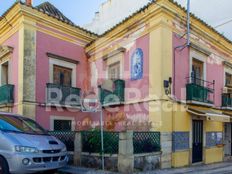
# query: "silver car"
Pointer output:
{"type": "Point", "coordinates": [25, 147]}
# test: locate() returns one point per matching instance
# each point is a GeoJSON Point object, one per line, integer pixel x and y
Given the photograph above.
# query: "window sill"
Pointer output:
{"type": "Point", "coordinates": [2, 105]}
{"type": "Point", "coordinates": [226, 108]}
{"type": "Point", "coordinates": [199, 103]}
{"type": "Point", "coordinates": [113, 104]}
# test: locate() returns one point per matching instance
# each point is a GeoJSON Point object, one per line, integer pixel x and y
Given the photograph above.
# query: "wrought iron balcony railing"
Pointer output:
{"type": "Point", "coordinates": [198, 90]}
{"type": "Point", "coordinates": [63, 95]}
{"type": "Point", "coordinates": [6, 94]}
{"type": "Point", "coordinates": [226, 100]}
{"type": "Point", "coordinates": [116, 96]}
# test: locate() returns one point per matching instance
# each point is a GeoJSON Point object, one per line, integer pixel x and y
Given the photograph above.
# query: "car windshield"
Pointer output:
{"type": "Point", "coordinates": [20, 125]}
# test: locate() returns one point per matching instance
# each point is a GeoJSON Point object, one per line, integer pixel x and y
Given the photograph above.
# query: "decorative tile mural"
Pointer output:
{"type": "Point", "coordinates": [180, 141]}
{"type": "Point", "coordinates": [214, 139]}
{"type": "Point", "coordinates": [137, 64]}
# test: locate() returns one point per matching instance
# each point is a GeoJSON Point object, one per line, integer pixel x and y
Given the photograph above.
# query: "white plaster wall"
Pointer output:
{"type": "Point", "coordinates": [112, 12]}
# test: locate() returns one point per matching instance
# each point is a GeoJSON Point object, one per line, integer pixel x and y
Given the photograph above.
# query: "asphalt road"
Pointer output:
{"type": "Point", "coordinates": [52, 173]}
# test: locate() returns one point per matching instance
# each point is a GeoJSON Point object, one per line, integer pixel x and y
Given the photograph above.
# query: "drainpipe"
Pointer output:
{"type": "Point", "coordinates": [174, 61]}
{"type": "Point", "coordinates": [181, 46]}
{"type": "Point", "coordinates": [188, 23]}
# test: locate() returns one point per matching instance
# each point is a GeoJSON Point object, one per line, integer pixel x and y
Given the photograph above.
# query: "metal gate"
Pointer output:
{"type": "Point", "coordinates": [197, 144]}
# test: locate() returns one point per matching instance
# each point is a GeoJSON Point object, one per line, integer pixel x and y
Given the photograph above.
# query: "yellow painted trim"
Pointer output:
{"type": "Point", "coordinates": [119, 42]}
{"type": "Point", "coordinates": [123, 29]}
{"type": "Point", "coordinates": [180, 159]}
{"type": "Point", "coordinates": [214, 155]}
{"type": "Point", "coordinates": [170, 10]}
{"type": "Point", "coordinates": [13, 23]}
{"type": "Point", "coordinates": [20, 70]}
{"type": "Point", "coordinates": [52, 22]}
{"type": "Point", "coordinates": [60, 36]}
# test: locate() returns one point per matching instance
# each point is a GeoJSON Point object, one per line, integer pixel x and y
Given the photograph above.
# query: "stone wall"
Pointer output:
{"type": "Point", "coordinates": [142, 162]}
{"type": "Point", "coordinates": [95, 161]}
{"type": "Point", "coordinates": [125, 161]}
{"type": "Point", "coordinates": [147, 162]}
{"type": "Point", "coordinates": [166, 146]}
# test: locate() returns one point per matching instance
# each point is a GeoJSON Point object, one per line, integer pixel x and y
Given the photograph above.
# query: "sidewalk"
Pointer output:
{"type": "Point", "coordinates": [218, 168]}
{"type": "Point", "coordinates": [81, 170]}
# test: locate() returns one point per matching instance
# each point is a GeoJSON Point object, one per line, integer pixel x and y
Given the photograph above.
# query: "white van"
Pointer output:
{"type": "Point", "coordinates": [25, 147]}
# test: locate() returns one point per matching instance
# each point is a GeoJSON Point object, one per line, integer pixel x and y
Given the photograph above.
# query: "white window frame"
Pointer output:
{"type": "Point", "coordinates": [198, 56]}
{"type": "Point", "coordinates": [113, 65]}
{"type": "Point", "coordinates": [1, 63]}
{"type": "Point", "coordinates": [115, 59]}
{"type": "Point", "coordinates": [65, 64]}
{"type": "Point", "coordinates": [53, 118]}
{"type": "Point", "coordinates": [227, 70]}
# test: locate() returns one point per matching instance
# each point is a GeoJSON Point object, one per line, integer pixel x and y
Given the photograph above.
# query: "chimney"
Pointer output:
{"type": "Point", "coordinates": [29, 2]}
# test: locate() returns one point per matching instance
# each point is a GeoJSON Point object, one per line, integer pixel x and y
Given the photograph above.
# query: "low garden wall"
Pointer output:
{"type": "Point", "coordinates": [147, 161]}
{"type": "Point", "coordinates": [123, 151]}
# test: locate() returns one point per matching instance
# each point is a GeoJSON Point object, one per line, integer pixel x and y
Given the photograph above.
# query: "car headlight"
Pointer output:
{"type": "Point", "coordinates": [26, 149]}
{"type": "Point", "coordinates": [64, 149]}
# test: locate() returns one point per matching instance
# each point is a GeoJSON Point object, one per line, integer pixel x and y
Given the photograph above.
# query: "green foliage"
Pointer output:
{"type": "Point", "coordinates": [91, 142]}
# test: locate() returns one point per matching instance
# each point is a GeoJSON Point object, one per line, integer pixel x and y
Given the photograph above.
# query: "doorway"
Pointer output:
{"type": "Point", "coordinates": [197, 141]}
{"type": "Point", "coordinates": [228, 139]}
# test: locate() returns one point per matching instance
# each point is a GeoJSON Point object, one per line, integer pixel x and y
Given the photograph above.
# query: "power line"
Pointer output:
{"type": "Point", "coordinates": [224, 23]}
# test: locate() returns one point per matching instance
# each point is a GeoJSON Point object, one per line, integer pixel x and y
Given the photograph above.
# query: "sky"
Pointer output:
{"type": "Point", "coordinates": [214, 12]}
{"type": "Point", "coordinates": [79, 11]}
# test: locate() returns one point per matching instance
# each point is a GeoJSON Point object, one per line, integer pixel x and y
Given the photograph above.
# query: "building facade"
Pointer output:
{"type": "Point", "coordinates": [184, 89]}
{"type": "Point", "coordinates": [145, 75]}
{"type": "Point", "coordinates": [42, 50]}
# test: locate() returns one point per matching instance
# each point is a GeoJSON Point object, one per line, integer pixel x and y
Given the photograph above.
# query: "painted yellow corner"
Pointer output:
{"type": "Point", "coordinates": [20, 70]}
{"type": "Point", "coordinates": [155, 116]}
{"type": "Point", "coordinates": [160, 60]}
{"type": "Point", "coordinates": [161, 118]}
{"type": "Point", "coordinates": [213, 155]}
{"type": "Point", "coordinates": [181, 119]}
{"type": "Point", "coordinates": [213, 126]}
{"type": "Point", "coordinates": [180, 159]}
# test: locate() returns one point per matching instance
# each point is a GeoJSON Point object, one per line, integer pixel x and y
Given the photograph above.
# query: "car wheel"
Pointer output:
{"type": "Point", "coordinates": [4, 169]}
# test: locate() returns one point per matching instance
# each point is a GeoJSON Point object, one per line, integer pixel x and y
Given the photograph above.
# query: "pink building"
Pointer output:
{"type": "Point", "coordinates": [45, 54]}
{"type": "Point", "coordinates": [53, 72]}
{"type": "Point", "coordinates": [142, 71]}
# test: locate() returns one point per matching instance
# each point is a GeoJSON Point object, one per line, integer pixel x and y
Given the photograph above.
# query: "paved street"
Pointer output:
{"type": "Point", "coordinates": [75, 170]}
{"type": "Point", "coordinates": [219, 168]}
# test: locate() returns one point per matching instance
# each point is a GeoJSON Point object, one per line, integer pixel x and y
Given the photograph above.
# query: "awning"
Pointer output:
{"type": "Point", "coordinates": [210, 115]}
{"type": "Point", "coordinates": [229, 113]}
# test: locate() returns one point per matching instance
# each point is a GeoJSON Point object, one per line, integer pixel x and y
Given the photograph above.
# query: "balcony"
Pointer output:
{"type": "Point", "coordinates": [114, 96]}
{"type": "Point", "coordinates": [199, 91]}
{"type": "Point", "coordinates": [226, 101]}
{"type": "Point", "coordinates": [63, 95]}
{"type": "Point", "coordinates": [6, 94]}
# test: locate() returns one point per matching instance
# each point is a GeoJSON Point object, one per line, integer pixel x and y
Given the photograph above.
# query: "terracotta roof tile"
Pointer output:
{"type": "Point", "coordinates": [51, 10]}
